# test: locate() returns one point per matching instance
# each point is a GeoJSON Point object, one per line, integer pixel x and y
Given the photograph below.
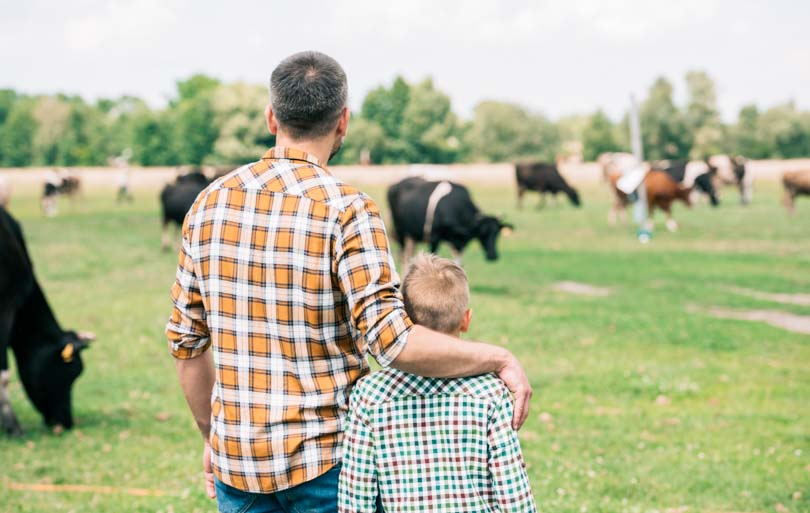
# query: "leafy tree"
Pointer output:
{"type": "Point", "coordinates": [239, 114]}
{"type": "Point", "coordinates": [51, 114]}
{"type": "Point", "coordinates": [7, 99]}
{"type": "Point", "coordinates": [152, 140]}
{"type": "Point", "coordinates": [363, 136]}
{"type": "Point", "coordinates": [195, 86]}
{"type": "Point", "coordinates": [429, 126]}
{"type": "Point", "coordinates": [599, 136]}
{"type": "Point", "coordinates": [665, 134]}
{"type": "Point", "coordinates": [505, 132]}
{"type": "Point", "coordinates": [702, 116]}
{"type": "Point", "coordinates": [17, 135]}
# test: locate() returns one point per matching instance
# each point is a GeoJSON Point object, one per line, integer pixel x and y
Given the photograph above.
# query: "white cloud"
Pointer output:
{"type": "Point", "coordinates": [129, 24]}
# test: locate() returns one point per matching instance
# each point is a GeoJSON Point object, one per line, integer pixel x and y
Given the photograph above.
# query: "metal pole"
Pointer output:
{"type": "Point", "coordinates": [640, 207]}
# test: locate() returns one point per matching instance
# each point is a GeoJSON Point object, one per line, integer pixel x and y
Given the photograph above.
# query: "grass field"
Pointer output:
{"type": "Point", "coordinates": [641, 403]}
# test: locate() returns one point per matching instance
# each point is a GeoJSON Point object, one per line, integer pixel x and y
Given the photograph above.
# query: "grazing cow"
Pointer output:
{"type": "Point", "coordinates": [544, 178]}
{"type": "Point", "coordinates": [733, 171]}
{"type": "Point", "coordinates": [433, 212]}
{"type": "Point", "coordinates": [5, 191]}
{"type": "Point", "coordinates": [48, 358]}
{"type": "Point", "coordinates": [177, 198]}
{"type": "Point", "coordinates": [695, 174]}
{"type": "Point", "coordinates": [662, 190]}
{"type": "Point", "coordinates": [61, 184]}
{"type": "Point", "coordinates": [796, 183]}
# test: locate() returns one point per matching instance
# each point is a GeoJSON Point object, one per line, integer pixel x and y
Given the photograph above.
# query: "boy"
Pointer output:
{"type": "Point", "coordinates": [428, 444]}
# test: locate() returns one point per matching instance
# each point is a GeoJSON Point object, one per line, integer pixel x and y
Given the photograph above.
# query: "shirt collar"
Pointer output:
{"type": "Point", "coordinates": [280, 152]}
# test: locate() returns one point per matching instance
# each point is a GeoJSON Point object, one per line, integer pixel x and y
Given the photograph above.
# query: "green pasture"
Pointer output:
{"type": "Point", "coordinates": [643, 401]}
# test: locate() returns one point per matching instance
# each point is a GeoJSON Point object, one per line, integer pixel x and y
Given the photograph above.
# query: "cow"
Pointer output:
{"type": "Point", "coordinates": [177, 198]}
{"type": "Point", "coordinates": [733, 171]}
{"type": "Point", "coordinates": [58, 184]}
{"type": "Point", "coordinates": [661, 191]}
{"type": "Point", "coordinates": [5, 191]}
{"type": "Point", "coordinates": [542, 177]}
{"type": "Point", "coordinates": [48, 357]}
{"type": "Point", "coordinates": [695, 174]}
{"type": "Point", "coordinates": [796, 183]}
{"type": "Point", "coordinates": [435, 212]}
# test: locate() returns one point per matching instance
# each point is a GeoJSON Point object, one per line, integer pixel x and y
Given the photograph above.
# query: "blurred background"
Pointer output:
{"type": "Point", "coordinates": [669, 377]}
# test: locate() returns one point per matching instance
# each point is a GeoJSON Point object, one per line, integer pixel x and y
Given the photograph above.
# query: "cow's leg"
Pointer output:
{"type": "Point", "coordinates": [520, 193]}
{"type": "Point", "coordinates": [8, 421]}
{"type": "Point", "coordinates": [456, 254]}
{"type": "Point", "coordinates": [164, 236]}
{"type": "Point", "coordinates": [671, 224]}
{"type": "Point", "coordinates": [408, 250]}
{"type": "Point", "coordinates": [789, 200]}
{"type": "Point", "coordinates": [542, 203]}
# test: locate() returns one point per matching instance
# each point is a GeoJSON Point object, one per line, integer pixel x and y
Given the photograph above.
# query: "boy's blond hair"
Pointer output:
{"type": "Point", "coordinates": [437, 293]}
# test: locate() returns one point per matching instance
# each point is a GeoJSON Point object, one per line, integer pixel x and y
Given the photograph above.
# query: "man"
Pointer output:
{"type": "Point", "coordinates": [285, 271]}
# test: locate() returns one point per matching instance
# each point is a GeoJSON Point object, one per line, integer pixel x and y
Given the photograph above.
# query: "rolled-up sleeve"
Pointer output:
{"type": "Point", "coordinates": [187, 330]}
{"type": "Point", "coordinates": [366, 276]}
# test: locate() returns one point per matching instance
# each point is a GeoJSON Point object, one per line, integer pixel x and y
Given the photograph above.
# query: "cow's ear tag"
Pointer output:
{"type": "Point", "coordinates": [507, 232]}
{"type": "Point", "coordinates": [67, 353]}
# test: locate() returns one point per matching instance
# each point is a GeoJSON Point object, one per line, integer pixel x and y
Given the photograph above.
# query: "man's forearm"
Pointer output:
{"type": "Point", "coordinates": [197, 380]}
{"type": "Point", "coordinates": [432, 354]}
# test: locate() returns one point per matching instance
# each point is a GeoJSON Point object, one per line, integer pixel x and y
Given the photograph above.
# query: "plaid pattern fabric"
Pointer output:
{"type": "Point", "coordinates": [286, 272]}
{"type": "Point", "coordinates": [427, 444]}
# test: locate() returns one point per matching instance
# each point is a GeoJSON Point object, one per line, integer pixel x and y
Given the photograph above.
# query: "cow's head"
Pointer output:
{"type": "Point", "coordinates": [487, 230]}
{"type": "Point", "coordinates": [60, 368]}
{"type": "Point", "coordinates": [573, 195]}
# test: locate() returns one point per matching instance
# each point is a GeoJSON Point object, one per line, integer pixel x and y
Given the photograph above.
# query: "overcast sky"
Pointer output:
{"type": "Point", "coordinates": [558, 57]}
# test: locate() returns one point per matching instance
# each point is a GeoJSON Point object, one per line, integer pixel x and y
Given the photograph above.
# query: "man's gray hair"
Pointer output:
{"type": "Point", "coordinates": [308, 92]}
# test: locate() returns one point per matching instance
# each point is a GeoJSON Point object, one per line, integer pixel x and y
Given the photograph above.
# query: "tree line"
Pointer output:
{"type": "Point", "coordinates": [210, 122]}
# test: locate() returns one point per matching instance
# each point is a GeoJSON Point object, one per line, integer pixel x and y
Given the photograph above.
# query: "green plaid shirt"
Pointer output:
{"type": "Point", "coordinates": [427, 444]}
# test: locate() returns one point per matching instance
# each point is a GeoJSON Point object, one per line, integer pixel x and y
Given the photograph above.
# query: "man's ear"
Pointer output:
{"type": "Point", "coordinates": [270, 118]}
{"type": "Point", "coordinates": [465, 322]}
{"type": "Point", "coordinates": [343, 123]}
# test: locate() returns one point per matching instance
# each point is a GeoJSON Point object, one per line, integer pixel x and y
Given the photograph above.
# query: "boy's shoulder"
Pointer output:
{"type": "Point", "coordinates": [390, 384]}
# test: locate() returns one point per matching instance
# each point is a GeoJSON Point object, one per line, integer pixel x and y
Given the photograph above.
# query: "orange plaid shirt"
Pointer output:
{"type": "Point", "coordinates": [286, 272]}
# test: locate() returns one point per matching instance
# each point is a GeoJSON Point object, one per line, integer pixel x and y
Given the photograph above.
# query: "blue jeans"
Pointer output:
{"type": "Point", "coordinates": [316, 496]}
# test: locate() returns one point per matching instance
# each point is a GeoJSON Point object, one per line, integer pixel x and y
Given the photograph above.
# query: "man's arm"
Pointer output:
{"type": "Point", "coordinates": [432, 354]}
{"type": "Point", "coordinates": [189, 340]}
{"type": "Point", "coordinates": [365, 272]}
{"type": "Point", "coordinates": [357, 490]}
{"type": "Point", "coordinates": [507, 470]}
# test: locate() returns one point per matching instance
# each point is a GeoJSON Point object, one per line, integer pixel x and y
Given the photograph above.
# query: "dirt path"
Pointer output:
{"type": "Point", "coordinates": [776, 318]}
{"type": "Point", "coordinates": [582, 289]}
{"type": "Point", "coordinates": [791, 299]}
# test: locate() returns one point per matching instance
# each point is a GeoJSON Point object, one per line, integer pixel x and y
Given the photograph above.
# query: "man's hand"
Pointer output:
{"type": "Point", "coordinates": [436, 355]}
{"type": "Point", "coordinates": [210, 490]}
{"type": "Point", "coordinates": [517, 382]}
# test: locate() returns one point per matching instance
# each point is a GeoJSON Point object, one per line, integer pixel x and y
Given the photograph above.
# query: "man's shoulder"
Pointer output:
{"type": "Point", "coordinates": [391, 384]}
{"type": "Point", "coordinates": [294, 179]}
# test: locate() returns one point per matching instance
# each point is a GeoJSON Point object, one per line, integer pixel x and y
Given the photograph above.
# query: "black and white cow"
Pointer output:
{"type": "Point", "coordinates": [58, 184]}
{"type": "Point", "coordinates": [48, 358]}
{"type": "Point", "coordinates": [177, 198]}
{"type": "Point", "coordinates": [694, 174]}
{"type": "Point", "coordinates": [543, 177]}
{"type": "Point", "coordinates": [435, 212]}
{"type": "Point", "coordinates": [733, 171]}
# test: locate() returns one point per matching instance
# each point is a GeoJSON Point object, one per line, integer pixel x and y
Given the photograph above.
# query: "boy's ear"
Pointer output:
{"type": "Point", "coordinates": [465, 322]}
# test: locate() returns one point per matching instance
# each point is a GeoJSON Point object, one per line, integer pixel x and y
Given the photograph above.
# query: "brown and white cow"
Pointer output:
{"type": "Point", "coordinates": [796, 183]}
{"type": "Point", "coordinates": [662, 191]}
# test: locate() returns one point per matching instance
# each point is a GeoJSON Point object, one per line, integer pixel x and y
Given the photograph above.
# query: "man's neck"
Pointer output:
{"type": "Point", "coordinates": [320, 148]}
